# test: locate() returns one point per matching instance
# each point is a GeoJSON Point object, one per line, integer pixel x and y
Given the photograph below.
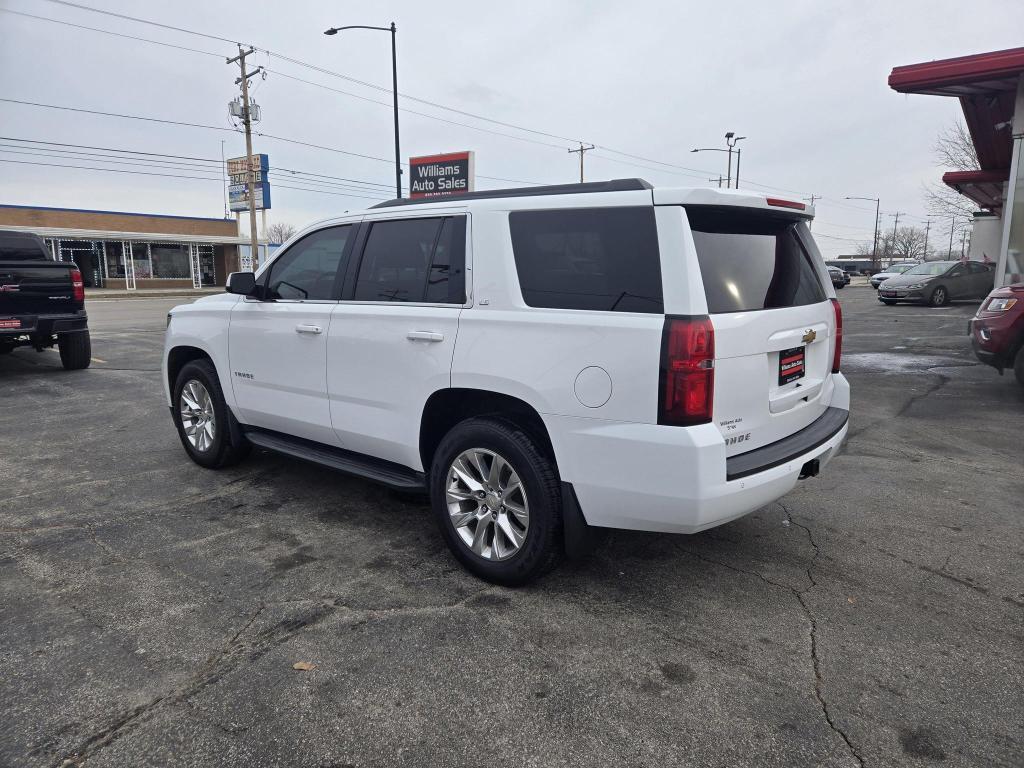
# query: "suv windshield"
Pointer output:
{"type": "Point", "coordinates": [752, 259]}
{"type": "Point", "coordinates": [930, 268]}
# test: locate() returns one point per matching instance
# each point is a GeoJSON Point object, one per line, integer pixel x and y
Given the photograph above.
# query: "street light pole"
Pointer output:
{"type": "Point", "coordinates": [874, 243]}
{"type": "Point", "coordinates": [394, 91]}
{"type": "Point", "coordinates": [730, 142]}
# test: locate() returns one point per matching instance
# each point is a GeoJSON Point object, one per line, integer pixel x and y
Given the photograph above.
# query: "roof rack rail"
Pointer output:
{"type": "Point", "coordinates": [614, 185]}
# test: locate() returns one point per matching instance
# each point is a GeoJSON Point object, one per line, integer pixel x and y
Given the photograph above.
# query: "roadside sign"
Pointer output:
{"type": "Point", "coordinates": [238, 188]}
{"type": "Point", "coordinates": [440, 175]}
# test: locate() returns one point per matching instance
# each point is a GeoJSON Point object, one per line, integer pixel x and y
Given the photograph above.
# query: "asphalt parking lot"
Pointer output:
{"type": "Point", "coordinates": [151, 611]}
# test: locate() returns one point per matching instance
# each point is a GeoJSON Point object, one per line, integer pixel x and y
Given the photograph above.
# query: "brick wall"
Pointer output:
{"type": "Point", "coordinates": [115, 222]}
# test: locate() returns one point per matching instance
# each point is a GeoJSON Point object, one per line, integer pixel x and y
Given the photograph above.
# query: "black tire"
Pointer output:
{"type": "Point", "coordinates": [75, 350]}
{"type": "Point", "coordinates": [1018, 366]}
{"type": "Point", "coordinates": [939, 296]}
{"type": "Point", "coordinates": [542, 548]}
{"type": "Point", "coordinates": [840, 287]}
{"type": "Point", "coordinates": [888, 302]}
{"type": "Point", "coordinates": [6, 349]}
{"type": "Point", "coordinates": [228, 446]}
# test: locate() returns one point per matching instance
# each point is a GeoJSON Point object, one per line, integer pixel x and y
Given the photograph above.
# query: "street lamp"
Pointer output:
{"type": "Point", "coordinates": [874, 243]}
{"type": "Point", "coordinates": [394, 89]}
{"type": "Point", "coordinates": [730, 141]}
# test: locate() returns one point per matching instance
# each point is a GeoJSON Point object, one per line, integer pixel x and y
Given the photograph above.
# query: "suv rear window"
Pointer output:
{"type": "Point", "coordinates": [751, 260]}
{"type": "Point", "coordinates": [603, 259]}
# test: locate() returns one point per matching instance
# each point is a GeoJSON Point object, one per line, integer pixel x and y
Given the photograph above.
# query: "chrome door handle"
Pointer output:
{"type": "Point", "coordinates": [424, 336]}
{"type": "Point", "coordinates": [303, 328]}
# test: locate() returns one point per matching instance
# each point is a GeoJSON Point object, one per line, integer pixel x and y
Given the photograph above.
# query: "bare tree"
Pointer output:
{"type": "Point", "coordinates": [908, 244]}
{"type": "Point", "coordinates": [954, 150]}
{"type": "Point", "coordinates": [280, 232]}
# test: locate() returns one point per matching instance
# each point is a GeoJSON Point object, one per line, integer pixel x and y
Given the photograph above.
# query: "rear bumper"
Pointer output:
{"type": "Point", "coordinates": [44, 325]}
{"type": "Point", "coordinates": [677, 480]}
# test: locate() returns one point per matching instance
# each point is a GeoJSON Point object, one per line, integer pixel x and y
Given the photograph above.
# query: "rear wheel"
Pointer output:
{"type": "Point", "coordinates": [1018, 366]}
{"type": "Point", "coordinates": [207, 429]}
{"type": "Point", "coordinates": [497, 500]}
{"type": "Point", "coordinates": [939, 297]}
{"type": "Point", "coordinates": [75, 350]}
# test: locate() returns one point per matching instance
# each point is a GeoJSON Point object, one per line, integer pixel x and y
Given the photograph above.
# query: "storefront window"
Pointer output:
{"type": "Point", "coordinates": [170, 261]}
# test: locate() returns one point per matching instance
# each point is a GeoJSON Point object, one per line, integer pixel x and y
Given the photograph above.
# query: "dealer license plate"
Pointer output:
{"type": "Point", "coordinates": [791, 365]}
{"type": "Point", "coordinates": [10, 322]}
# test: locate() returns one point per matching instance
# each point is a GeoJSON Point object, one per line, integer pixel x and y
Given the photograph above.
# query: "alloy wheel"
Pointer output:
{"type": "Point", "coordinates": [487, 504]}
{"type": "Point", "coordinates": [939, 296]}
{"type": "Point", "coordinates": [197, 415]}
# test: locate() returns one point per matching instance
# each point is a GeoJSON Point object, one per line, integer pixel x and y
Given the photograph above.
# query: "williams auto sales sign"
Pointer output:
{"type": "Point", "coordinates": [437, 175]}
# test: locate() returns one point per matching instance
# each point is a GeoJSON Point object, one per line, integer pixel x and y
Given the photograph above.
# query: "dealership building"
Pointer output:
{"type": "Point", "coordinates": [990, 88]}
{"type": "Point", "coordinates": [130, 251]}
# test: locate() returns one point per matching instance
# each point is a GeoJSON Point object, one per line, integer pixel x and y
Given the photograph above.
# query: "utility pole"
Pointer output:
{"type": "Point", "coordinates": [952, 226]}
{"type": "Point", "coordinates": [812, 198]}
{"type": "Point", "coordinates": [963, 242]}
{"type": "Point", "coordinates": [892, 248]}
{"type": "Point", "coordinates": [581, 150]}
{"type": "Point", "coordinates": [927, 226]}
{"type": "Point", "coordinates": [250, 170]}
{"type": "Point", "coordinates": [719, 180]}
{"type": "Point", "coordinates": [874, 242]}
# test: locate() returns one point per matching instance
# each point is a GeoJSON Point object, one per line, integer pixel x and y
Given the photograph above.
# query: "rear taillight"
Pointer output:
{"type": "Point", "coordinates": [839, 335]}
{"type": "Point", "coordinates": [77, 286]}
{"type": "Point", "coordinates": [687, 381]}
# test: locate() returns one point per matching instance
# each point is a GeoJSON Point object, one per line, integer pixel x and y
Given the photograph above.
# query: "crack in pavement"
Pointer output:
{"type": "Point", "coordinates": [801, 596]}
{"type": "Point", "coordinates": [232, 655]}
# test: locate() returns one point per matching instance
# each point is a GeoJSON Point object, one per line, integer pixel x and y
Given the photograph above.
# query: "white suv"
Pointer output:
{"type": "Point", "coordinates": [541, 361]}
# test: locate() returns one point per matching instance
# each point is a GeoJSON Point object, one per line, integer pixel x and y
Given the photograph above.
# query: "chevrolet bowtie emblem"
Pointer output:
{"type": "Point", "coordinates": [809, 337]}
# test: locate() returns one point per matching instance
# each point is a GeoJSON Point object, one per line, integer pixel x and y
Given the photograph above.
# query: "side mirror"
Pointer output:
{"type": "Point", "coordinates": [242, 283]}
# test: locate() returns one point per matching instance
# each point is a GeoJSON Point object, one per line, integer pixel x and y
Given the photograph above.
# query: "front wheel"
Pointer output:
{"type": "Point", "coordinates": [939, 297]}
{"type": "Point", "coordinates": [888, 302]}
{"type": "Point", "coordinates": [205, 425]}
{"type": "Point", "coordinates": [497, 500]}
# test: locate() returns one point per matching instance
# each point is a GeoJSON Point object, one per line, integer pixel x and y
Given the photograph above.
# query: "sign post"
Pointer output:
{"type": "Point", "coordinates": [441, 175]}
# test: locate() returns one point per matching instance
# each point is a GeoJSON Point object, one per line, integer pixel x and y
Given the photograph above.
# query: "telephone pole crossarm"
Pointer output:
{"type": "Point", "coordinates": [582, 149]}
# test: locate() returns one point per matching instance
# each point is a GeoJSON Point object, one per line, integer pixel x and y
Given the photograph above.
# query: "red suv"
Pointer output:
{"type": "Point", "coordinates": [997, 330]}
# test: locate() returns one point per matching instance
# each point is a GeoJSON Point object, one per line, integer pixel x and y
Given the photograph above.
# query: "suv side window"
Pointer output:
{"type": "Point", "coordinates": [603, 259]}
{"type": "Point", "coordinates": [417, 260]}
{"type": "Point", "coordinates": [977, 267]}
{"type": "Point", "coordinates": [307, 270]}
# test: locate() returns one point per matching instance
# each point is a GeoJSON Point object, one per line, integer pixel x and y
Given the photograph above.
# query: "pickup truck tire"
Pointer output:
{"type": "Point", "coordinates": [225, 446]}
{"type": "Point", "coordinates": [75, 350]}
{"type": "Point", "coordinates": [497, 456]}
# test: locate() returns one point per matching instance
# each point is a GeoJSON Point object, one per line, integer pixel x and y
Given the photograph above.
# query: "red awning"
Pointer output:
{"type": "Point", "coordinates": [986, 84]}
{"type": "Point", "coordinates": [974, 75]}
{"type": "Point", "coordinates": [983, 187]}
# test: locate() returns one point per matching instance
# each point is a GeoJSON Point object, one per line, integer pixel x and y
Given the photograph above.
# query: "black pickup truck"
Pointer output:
{"type": "Point", "coordinates": [42, 301]}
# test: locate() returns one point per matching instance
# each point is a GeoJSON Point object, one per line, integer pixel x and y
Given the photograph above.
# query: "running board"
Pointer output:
{"type": "Point", "coordinates": [379, 471]}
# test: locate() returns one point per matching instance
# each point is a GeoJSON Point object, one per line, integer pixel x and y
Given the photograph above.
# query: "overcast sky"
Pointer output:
{"type": "Point", "coordinates": [804, 81]}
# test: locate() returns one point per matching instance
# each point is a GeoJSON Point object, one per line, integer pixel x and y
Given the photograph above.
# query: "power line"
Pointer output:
{"type": "Point", "coordinates": [298, 62]}
{"type": "Point", "coordinates": [217, 161]}
{"type": "Point", "coordinates": [109, 32]}
{"type": "Point", "coordinates": [180, 176]}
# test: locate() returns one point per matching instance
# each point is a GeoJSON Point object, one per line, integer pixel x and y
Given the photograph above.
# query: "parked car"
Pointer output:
{"type": "Point", "coordinates": [42, 301]}
{"type": "Point", "coordinates": [997, 330]}
{"type": "Point", "coordinates": [840, 279]}
{"type": "Point", "coordinates": [518, 355]}
{"type": "Point", "coordinates": [939, 282]}
{"type": "Point", "coordinates": [893, 270]}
